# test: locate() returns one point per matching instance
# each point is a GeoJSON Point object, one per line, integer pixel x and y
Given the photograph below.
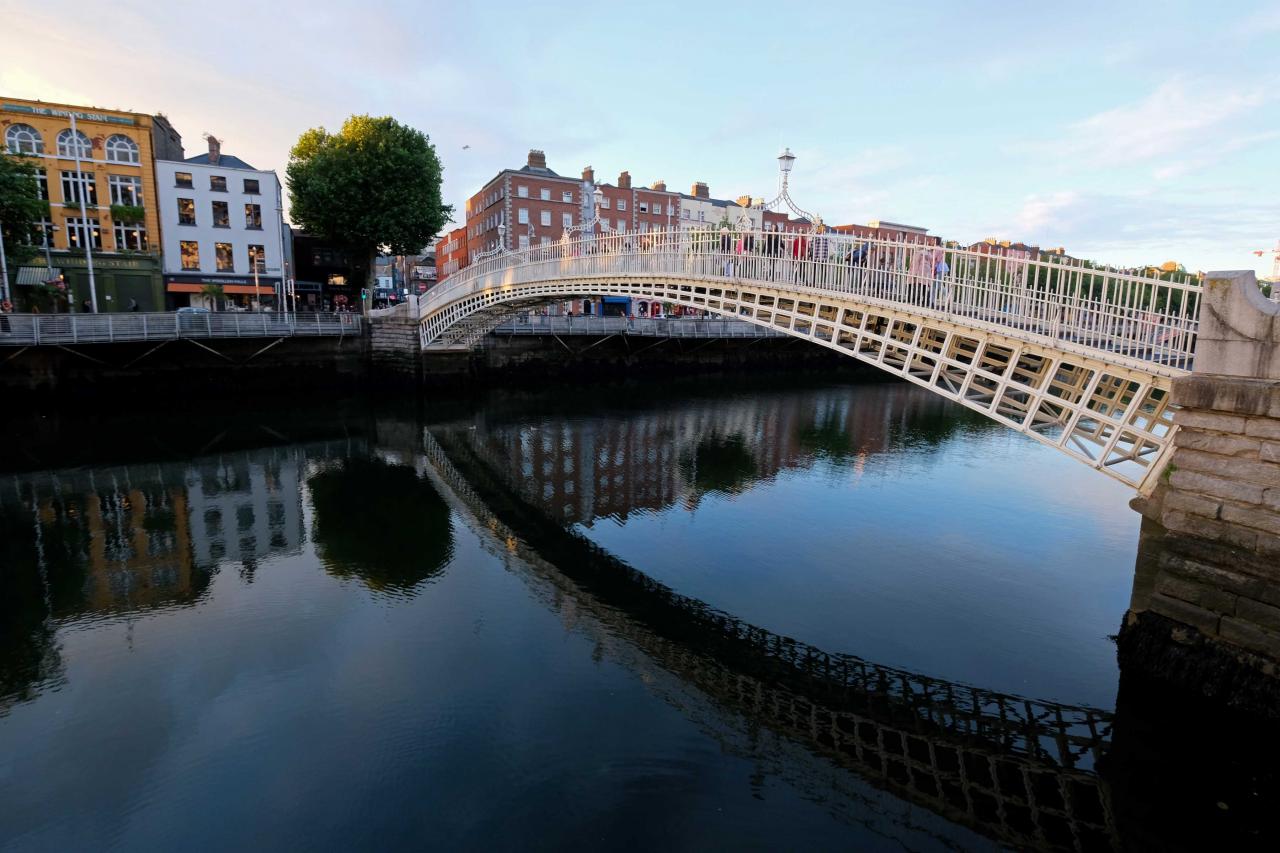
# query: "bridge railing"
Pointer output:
{"type": "Point", "coordinates": [1121, 312]}
{"type": "Point", "coordinates": [664, 327]}
{"type": "Point", "coordinates": [63, 329]}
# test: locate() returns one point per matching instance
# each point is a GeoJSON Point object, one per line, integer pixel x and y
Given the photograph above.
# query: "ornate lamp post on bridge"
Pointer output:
{"type": "Point", "coordinates": [786, 160]}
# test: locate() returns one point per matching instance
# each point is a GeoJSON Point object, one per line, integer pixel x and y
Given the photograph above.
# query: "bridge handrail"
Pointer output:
{"type": "Point", "coordinates": [673, 327]}
{"type": "Point", "coordinates": [1116, 311]}
{"type": "Point", "coordinates": [62, 329]}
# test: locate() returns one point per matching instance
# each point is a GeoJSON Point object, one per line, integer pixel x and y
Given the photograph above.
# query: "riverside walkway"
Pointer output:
{"type": "Point", "coordinates": [25, 330]}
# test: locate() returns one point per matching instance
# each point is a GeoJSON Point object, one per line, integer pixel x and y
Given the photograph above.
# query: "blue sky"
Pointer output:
{"type": "Point", "coordinates": [1128, 132]}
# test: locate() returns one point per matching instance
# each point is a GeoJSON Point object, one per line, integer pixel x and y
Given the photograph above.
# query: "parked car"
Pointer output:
{"type": "Point", "coordinates": [192, 317]}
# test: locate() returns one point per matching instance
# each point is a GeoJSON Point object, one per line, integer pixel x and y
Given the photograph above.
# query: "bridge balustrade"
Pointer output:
{"type": "Point", "coordinates": [1110, 311]}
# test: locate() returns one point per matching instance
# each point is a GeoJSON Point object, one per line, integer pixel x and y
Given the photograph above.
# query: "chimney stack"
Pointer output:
{"type": "Point", "coordinates": [700, 190]}
{"type": "Point", "coordinates": [660, 186]}
{"type": "Point", "coordinates": [589, 175]}
{"type": "Point", "coordinates": [624, 181]}
{"type": "Point", "coordinates": [744, 201]}
{"type": "Point", "coordinates": [215, 148]}
{"type": "Point", "coordinates": [537, 159]}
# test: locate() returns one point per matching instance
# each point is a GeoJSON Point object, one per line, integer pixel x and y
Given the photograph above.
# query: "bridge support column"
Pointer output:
{"type": "Point", "coordinates": [1205, 611]}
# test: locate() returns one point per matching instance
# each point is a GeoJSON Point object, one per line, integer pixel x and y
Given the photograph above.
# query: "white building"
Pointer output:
{"type": "Point", "coordinates": [700, 210]}
{"type": "Point", "coordinates": [219, 220]}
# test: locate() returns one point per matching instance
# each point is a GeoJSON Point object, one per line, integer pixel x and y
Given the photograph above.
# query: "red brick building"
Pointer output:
{"type": "Point", "coordinates": [451, 253]}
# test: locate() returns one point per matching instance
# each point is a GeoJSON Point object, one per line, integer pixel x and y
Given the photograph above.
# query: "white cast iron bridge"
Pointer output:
{"type": "Point", "coordinates": [1076, 356]}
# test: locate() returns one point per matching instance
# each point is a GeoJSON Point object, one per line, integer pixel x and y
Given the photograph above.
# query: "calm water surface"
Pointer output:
{"type": "Point", "coordinates": [657, 617]}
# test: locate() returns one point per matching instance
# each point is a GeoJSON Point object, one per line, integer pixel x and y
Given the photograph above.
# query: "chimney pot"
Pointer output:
{"type": "Point", "coordinates": [537, 159]}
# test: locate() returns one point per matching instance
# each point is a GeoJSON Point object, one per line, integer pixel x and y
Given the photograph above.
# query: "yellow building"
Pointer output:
{"type": "Point", "coordinates": [110, 202]}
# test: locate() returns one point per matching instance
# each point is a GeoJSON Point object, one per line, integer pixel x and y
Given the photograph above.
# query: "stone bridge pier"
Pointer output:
{"type": "Point", "coordinates": [1205, 611]}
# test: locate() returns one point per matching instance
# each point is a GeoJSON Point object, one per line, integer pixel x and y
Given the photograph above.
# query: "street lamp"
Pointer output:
{"type": "Point", "coordinates": [786, 160]}
{"type": "Point", "coordinates": [49, 230]}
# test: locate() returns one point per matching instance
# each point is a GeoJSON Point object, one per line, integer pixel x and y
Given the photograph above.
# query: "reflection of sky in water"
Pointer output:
{"type": "Point", "coordinates": [331, 697]}
{"type": "Point", "coordinates": [988, 559]}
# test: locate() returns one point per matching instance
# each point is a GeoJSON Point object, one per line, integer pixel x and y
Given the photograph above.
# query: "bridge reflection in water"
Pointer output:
{"type": "Point", "coordinates": [109, 542]}
{"type": "Point", "coordinates": [1015, 768]}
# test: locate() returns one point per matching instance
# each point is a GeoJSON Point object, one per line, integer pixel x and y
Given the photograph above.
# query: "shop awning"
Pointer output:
{"type": "Point", "coordinates": [36, 275]}
{"type": "Point", "coordinates": [229, 289]}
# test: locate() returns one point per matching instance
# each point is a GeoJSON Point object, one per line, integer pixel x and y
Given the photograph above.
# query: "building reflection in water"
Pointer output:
{"type": "Point", "coordinates": [587, 468]}
{"type": "Point", "coordinates": [92, 543]}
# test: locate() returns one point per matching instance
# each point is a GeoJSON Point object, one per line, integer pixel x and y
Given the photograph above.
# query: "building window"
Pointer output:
{"type": "Point", "coordinates": [567, 197]}
{"type": "Point", "coordinates": [23, 139]}
{"type": "Point", "coordinates": [45, 229]}
{"type": "Point", "coordinates": [251, 186]}
{"type": "Point", "coordinates": [257, 258]}
{"type": "Point", "coordinates": [82, 188]}
{"type": "Point", "coordinates": [218, 183]}
{"type": "Point", "coordinates": [226, 260]}
{"type": "Point", "coordinates": [182, 180]}
{"type": "Point", "coordinates": [522, 191]}
{"type": "Point", "coordinates": [73, 145]}
{"type": "Point", "coordinates": [125, 189]}
{"type": "Point", "coordinates": [76, 228]}
{"type": "Point", "coordinates": [122, 149]}
{"type": "Point", "coordinates": [657, 209]}
{"type": "Point", "coordinates": [253, 216]}
{"type": "Point", "coordinates": [643, 207]}
{"type": "Point", "coordinates": [186, 211]}
{"type": "Point", "coordinates": [221, 215]}
{"type": "Point", "coordinates": [42, 184]}
{"type": "Point", "coordinates": [545, 217]}
{"type": "Point", "coordinates": [131, 237]}
{"type": "Point", "coordinates": [604, 202]}
{"type": "Point", "coordinates": [545, 194]}
{"type": "Point", "coordinates": [190, 250]}
{"type": "Point", "coordinates": [523, 216]}
{"type": "Point", "coordinates": [524, 241]}
{"type": "Point", "coordinates": [566, 220]}
{"type": "Point", "coordinates": [685, 214]}
{"type": "Point", "coordinates": [622, 204]}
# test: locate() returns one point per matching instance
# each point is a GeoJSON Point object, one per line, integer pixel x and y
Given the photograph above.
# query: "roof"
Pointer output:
{"type": "Point", "coordinates": [537, 170]}
{"type": "Point", "coordinates": [225, 161]}
{"type": "Point", "coordinates": [717, 202]}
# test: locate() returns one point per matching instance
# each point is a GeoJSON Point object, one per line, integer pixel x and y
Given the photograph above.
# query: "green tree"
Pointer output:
{"type": "Point", "coordinates": [373, 184]}
{"type": "Point", "coordinates": [20, 206]}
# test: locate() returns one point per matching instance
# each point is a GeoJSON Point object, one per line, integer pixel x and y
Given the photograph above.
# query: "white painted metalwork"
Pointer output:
{"type": "Point", "coordinates": [645, 327]}
{"type": "Point", "coordinates": [1077, 356]}
{"type": "Point", "coordinates": [62, 329]}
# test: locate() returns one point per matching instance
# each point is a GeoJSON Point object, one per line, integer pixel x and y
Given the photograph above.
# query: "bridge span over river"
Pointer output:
{"type": "Point", "coordinates": [1075, 356]}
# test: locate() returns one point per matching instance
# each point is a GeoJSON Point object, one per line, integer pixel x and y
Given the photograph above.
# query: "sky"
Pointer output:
{"type": "Point", "coordinates": [1128, 132]}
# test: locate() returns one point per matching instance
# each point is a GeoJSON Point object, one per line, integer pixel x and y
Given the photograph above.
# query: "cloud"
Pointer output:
{"type": "Point", "coordinates": [1147, 226]}
{"type": "Point", "coordinates": [1176, 128]}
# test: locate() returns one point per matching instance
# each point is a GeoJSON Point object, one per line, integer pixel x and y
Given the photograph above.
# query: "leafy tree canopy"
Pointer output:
{"type": "Point", "coordinates": [375, 183]}
{"type": "Point", "coordinates": [20, 205]}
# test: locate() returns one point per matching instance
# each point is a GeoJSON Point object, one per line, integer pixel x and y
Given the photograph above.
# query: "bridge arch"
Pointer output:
{"type": "Point", "coordinates": [1076, 357]}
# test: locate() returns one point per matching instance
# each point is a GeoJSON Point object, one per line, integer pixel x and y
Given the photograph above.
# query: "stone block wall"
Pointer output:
{"type": "Point", "coordinates": [395, 344]}
{"type": "Point", "coordinates": [1208, 573]}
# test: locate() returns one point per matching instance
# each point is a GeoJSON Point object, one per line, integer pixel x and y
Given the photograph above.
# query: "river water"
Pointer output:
{"type": "Point", "coordinates": [834, 616]}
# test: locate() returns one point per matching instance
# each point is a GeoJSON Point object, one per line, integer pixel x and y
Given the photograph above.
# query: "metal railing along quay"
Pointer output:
{"type": "Point", "coordinates": [63, 329]}
{"type": "Point", "coordinates": [650, 327]}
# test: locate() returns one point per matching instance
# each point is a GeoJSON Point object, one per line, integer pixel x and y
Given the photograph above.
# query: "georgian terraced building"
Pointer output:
{"type": "Point", "coordinates": [99, 181]}
{"type": "Point", "coordinates": [222, 225]}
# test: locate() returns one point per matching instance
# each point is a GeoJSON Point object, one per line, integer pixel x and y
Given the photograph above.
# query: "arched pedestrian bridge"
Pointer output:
{"type": "Point", "coordinates": [1076, 356]}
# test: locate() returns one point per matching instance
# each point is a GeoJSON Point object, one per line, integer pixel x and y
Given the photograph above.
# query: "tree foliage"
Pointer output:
{"type": "Point", "coordinates": [20, 206]}
{"type": "Point", "coordinates": [373, 184]}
